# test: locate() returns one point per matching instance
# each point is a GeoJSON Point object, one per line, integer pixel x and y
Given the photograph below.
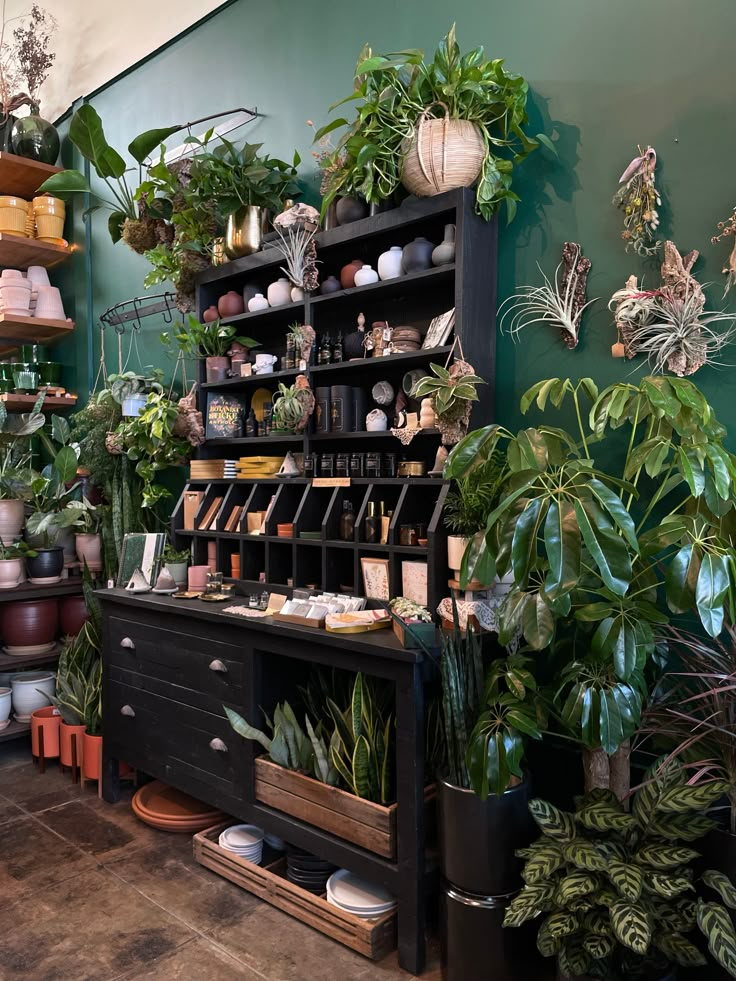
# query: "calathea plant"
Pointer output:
{"type": "Point", "coordinates": [617, 891]}
{"type": "Point", "coordinates": [601, 554]}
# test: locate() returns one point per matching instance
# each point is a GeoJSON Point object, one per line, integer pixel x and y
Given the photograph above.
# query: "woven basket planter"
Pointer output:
{"type": "Point", "coordinates": [443, 154]}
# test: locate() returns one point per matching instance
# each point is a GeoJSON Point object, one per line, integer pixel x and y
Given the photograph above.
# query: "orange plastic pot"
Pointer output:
{"type": "Point", "coordinates": [92, 757]}
{"type": "Point", "coordinates": [48, 720]}
{"type": "Point", "coordinates": [66, 732]}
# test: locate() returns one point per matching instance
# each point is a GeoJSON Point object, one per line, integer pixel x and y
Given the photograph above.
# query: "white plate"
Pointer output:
{"type": "Point", "coordinates": [377, 910]}
{"type": "Point", "coordinates": [363, 916]}
{"type": "Point", "coordinates": [242, 835]}
{"type": "Point", "coordinates": [32, 649]}
{"type": "Point", "coordinates": [356, 893]}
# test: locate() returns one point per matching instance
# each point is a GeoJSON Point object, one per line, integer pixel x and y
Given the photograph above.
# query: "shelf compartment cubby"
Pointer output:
{"type": "Point", "coordinates": [285, 505]}
{"type": "Point", "coordinates": [358, 495]}
{"type": "Point", "coordinates": [260, 499]}
{"type": "Point", "coordinates": [390, 494]}
{"type": "Point", "coordinates": [252, 558]}
{"type": "Point", "coordinates": [308, 567]}
{"type": "Point", "coordinates": [236, 497]}
{"type": "Point", "coordinates": [315, 504]}
{"type": "Point", "coordinates": [280, 561]}
{"type": "Point", "coordinates": [339, 570]}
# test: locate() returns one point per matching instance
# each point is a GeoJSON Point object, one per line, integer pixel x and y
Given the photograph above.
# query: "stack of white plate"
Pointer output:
{"type": "Point", "coordinates": [245, 840]}
{"type": "Point", "coordinates": [356, 896]}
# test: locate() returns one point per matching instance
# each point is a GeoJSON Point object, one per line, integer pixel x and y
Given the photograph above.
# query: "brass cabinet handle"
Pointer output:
{"type": "Point", "coordinates": [127, 710]}
{"type": "Point", "coordinates": [218, 745]}
{"type": "Point", "coordinates": [218, 666]}
{"type": "Point", "coordinates": [127, 642]}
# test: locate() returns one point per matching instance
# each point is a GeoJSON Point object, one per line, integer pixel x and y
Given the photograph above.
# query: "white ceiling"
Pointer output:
{"type": "Point", "coordinates": [98, 39]}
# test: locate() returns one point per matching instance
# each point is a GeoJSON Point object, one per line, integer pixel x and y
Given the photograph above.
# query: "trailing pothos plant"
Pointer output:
{"type": "Point", "coordinates": [606, 534]}
{"type": "Point", "coordinates": [617, 891]}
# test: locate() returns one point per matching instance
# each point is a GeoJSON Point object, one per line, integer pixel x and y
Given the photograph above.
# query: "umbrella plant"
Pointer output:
{"type": "Point", "coordinates": [608, 530]}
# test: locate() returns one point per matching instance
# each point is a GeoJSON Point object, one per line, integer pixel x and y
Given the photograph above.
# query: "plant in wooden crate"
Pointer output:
{"type": "Point", "coordinates": [15, 466]}
{"type": "Point", "coordinates": [431, 126]}
{"type": "Point", "coordinates": [617, 891]}
{"type": "Point", "coordinates": [411, 621]}
{"type": "Point", "coordinates": [453, 390]}
{"type": "Point", "coordinates": [601, 556]}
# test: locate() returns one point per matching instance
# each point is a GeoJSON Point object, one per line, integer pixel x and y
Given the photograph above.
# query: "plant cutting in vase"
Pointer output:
{"type": "Point", "coordinates": [15, 466]}
{"type": "Point", "coordinates": [485, 109]}
{"type": "Point", "coordinates": [617, 890]}
{"type": "Point", "coordinates": [453, 391]}
{"type": "Point", "coordinates": [600, 557]}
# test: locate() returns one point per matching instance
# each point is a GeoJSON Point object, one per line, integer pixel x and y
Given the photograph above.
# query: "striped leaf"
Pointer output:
{"type": "Point", "coordinates": [530, 902]}
{"type": "Point", "coordinates": [543, 863]}
{"type": "Point", "coordinates": [551, 821]}
{"type": "Point", "coordinates": [583, 904]}
{"type": "Point", "coordinates": [606, 897]}
{"type": "Point", "coordinates": [574, 885]}
{"type": "Point", "coordinates": [722, 885]}
{"type": "Point", "coordinates": [599, 795]}
{"type": "Point", "coordinates": [562, 924]}
{"type": "Point", "coordinates": [573, 960]}
{"type": "Point", "coordinates": [596, 921]}
{"type": "Point", "coordinates": [602, 817]}
{"type": "Point", "coordinates": [685, 827]}
{"type": "Point", "coordinates": [678, 949]}
{"type": "Point", "coordinates": [631, 926]}
{"type": "Point", "coordinates": [699, 797]}
{"type": "Point", "coordinates": [598, 945]}
{"type": "Point", "coordinates": [663, 857]}
{"type": "Point", "coordinates": [677, 916]}
{"type": "Point", "coordinates": [611, 849]}
{"type": "Point", "coordinates": [626, 878]}
{"type": "Point", "coordinates": [669, 886]}
{"type": "Point", "coordinates": [715, 925]}
{"type": "Point", "coordinates": [584, 855]}
{"type": "Point", "coordinates": [547, 944]}
{"type": "Point", "coordinates": [361, 766]}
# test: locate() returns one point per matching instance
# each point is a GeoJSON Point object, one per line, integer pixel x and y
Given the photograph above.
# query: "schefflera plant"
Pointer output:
{"type": "Point", "coordinates": [608, 530]}
{"type": "Point", "coordinates": [616, 892]}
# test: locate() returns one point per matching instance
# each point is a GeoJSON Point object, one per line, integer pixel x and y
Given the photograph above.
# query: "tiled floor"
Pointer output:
{"type": "Point", "coordinates": [88, 891]}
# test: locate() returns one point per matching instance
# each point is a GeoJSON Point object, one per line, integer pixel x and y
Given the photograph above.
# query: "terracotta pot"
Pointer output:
{"type": "Point", "coordinates": [347, 273]}
{"type": "Point", "coordinates": [217, 368]}
{"type": "Point", "coordinates": [210, 315]}
{"type": "Point", "coordinates": [91, 757]}
{"type": "Point", "coordinates": [47, 719]}
{"type": "Point", "coordinates": [11, 521]}
{"type": "Point", "coordinates": [66, 732]}
{"type": "Point", "coordinates": [89, 549]}
{"type": "Point", "coordinates": [28, 623]}
{"type": "Point", "coordinates": [47, 565]}
{"type": "Point", "coordinates": [73, 614]}
{"type": "Point", "coordinates": [11, 573]}
{"type": "Point", "coordinates": [350, 209]}
{"type": "Point", "coordinates": [231, 304]}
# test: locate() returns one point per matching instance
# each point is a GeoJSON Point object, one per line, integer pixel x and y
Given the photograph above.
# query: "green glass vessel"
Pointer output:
{"type": "Point", "coordinates": [36, 139]}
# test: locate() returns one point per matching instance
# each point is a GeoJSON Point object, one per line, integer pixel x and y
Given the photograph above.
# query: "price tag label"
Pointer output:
{"type": "Point", "coordinates": [331, 482]}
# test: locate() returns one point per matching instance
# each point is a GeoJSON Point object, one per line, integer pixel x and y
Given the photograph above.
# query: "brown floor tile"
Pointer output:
{"type": "Point", "coordinates": [90, 927]}
{"type": "Point", "coordinates": [107, 831]}
{"type": "Point", "coordinates": [34, 791]}
{"type": "Point", "coordinates": [198, 960]}
{"type": "Point", "coordinates": [282, 949]}
{"type": "Point", "coordinates": [32, 859]}
{"type": "Point", "coordinates": [9, 811]}
{"type": "Point", "coordinates": [15, 751]}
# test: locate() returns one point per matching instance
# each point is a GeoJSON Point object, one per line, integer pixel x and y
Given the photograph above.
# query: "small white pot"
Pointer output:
{"type": "Point", "coordinates": [456, 546]}
{"type": "Point", "coordinates": [297, 294]}
{"type": "Point", "coordinates": [12, 573]}
{"type": "Point", "coordinates": [365, 276]}
{"type": "Point", "coordinates": [89, 549]}
{"type": "Point", "coordinates": [503, 584]}
{"type": "Point", "coordinates": [134, 404]}
{"type": "Point", "coordinates": [389, 263]}
{"type": "Point", "coordinates": [279, 293]}
{"type": "Point", "coordinates": [376, 421]}
{"type": "Point", "coordinates": [31, 691]}
{"type": "Point", "coordinates": [6, 696]}
{"type": "Point", "coordinates": [258, 302]}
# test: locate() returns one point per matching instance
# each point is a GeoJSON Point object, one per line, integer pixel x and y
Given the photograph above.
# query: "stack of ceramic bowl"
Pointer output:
{"type": "Point", "coordinates": [15, 293]}
{"type": "Point", "coordinates": [49, 213]}
{"type": "Point", "coordinates": [356, 896]}
{"type": "Point", "coordinates": [245, 840]}
{"type": "Point", "coordinates": [307, 870]}
{"type": "Point", "coordinates": [168, 809]}
{"type": "Point", "coordinates": [14, 216]}
{"type": "Point", "coordinates": [31, 690]}
{"type": "Point", "coordinates": [48, 304]}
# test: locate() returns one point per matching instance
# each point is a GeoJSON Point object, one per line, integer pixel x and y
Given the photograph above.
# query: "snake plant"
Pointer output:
{"type": "Point", "coordinates": [616, 891]}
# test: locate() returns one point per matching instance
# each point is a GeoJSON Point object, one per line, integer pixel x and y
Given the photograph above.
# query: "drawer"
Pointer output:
{"type": "Point", "coordinates": [195, 665]}
{"type": "Point", "coordinates": [185, 740]}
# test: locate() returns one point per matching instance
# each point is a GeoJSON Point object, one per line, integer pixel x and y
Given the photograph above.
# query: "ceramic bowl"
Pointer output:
{"type": "Point", "coordinates": [31, 691]}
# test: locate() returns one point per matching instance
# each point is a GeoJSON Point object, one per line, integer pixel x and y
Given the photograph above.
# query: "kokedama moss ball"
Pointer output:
{"type": "Point", "coordinates": [140, 235]}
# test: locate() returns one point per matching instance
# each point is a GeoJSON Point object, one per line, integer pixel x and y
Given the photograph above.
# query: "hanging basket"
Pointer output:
{"type": "Point", "coordinates": [114, 443]}
{"type": "Point", "coordinates": [443, 154]}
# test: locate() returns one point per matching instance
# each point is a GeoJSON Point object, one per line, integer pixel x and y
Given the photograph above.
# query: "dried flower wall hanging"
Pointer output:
{"type": "Point", "coordinates": [727, 228]}
{"type": "Point", "coordinates": [559, 303]}
{"type": "Point", "coordinates": [639, 199]}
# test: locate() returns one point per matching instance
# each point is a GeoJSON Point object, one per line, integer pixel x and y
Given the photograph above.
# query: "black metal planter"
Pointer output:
{"type": "Point", "coordinates": [47, 564]}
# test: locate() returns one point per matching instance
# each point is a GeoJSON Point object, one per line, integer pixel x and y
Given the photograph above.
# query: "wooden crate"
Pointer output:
{"type": "Point", "coordinates": [372, 826]}
{"type": "Point", "coordinates": [372, 938]}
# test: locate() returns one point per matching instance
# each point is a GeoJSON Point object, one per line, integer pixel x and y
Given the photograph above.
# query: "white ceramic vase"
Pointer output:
{"type": "Point", "coordinates": [389, 263]}
{"type": "Point", "coordinates": [376, 421]}
{"type": "Point", "coordinates": [365, 276]}
{"type": "Point", "coordinates": [32, 690]}
{"type": "Point", "coordinates": [456, 545]}
{"type": "Point", "coordinates": [297, 294]}
{"type": "Point", "coordinates": [279, 293]}
{"type": "Point", "coordinates": [258, 302]}
{"type": "Point", "coordinates": [6, 698]}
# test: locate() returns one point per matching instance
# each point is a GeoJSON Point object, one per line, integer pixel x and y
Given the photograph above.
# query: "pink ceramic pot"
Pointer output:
{"type": "Point", "coordinates": [197, 577]}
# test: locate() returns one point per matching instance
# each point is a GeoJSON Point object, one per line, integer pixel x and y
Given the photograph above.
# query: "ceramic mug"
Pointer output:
{"type": "Point", "coordinates": [197, 577]}
{"type": "Point", "coordinates": [264, 363]}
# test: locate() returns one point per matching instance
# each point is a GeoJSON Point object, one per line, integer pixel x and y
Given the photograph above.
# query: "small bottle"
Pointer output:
{"type": "Point", "coordinates": [253, 601]}
{"type": "Point", "coordinates": [251, 426]}
{"type": "Point", "coordinates": [372, 525]}
{"type": "Point", "coordinates": [267, 418]}
{"type": "Point", "coordinates": [337, 349]}
{"type": "Point", "coordinates": [264, 599]}
{"type": "Point", "coordinates": [325, 351]}
{"type": "Point", "coordinates": [347, 522]}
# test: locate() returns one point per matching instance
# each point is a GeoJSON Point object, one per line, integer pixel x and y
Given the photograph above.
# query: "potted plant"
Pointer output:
{"type": "Point", "coordinates": [432, 126]}
{"type": "Point", "coordinates": [176, 563]}
{"type": "Point", "coordinates": [130, 390]}
{"type": "Point", "coordinates": [85, 518]}
{"type": "Point", "coordinates": [77, 697]}
{"type": "Point", "coordinates": [412, 623]}
{"type": "Point", "coordinates": [469, 502]}
{"type": "Point", "coordinates": [12, 569]}
{"type": "Point", "coordinates": [92, 738]}
{"type": "Point", "coordinates": [15, 472]}
{"type": "Point", "coordinates": [453, 390]}
{"type": "Point", "coordinates": [209, 341]}
{"type": "Point", "coordinates": [616, 891]}
{"type": "Point", "coordinates": [292, 406]}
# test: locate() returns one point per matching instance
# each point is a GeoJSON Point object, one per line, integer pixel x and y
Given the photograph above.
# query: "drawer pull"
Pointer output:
{"type": "Point", "coordinates": [127, 710]}
{"type": "Point", "coordinates": [218, 666]}
{"type": "Point", "coordinates": [127, 642]}
{"type": "Point", "coordinates": [218, 745]}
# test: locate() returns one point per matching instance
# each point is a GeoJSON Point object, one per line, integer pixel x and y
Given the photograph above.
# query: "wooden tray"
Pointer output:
{"type": "Point", "coordinates": [372, 938]}
{"type": "Point", "coordinates": [372, 826]}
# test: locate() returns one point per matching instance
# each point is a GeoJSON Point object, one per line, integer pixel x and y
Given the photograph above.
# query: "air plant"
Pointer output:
{"type": "Point", "coordinates": [727, 228]}
{"type": "Point", "coordinates": [678, 336]}
{"type": "Point", "coordinates": [297, 247]}
{"type": "Point", "coordinates": [632, 309]}
{"type": "Point", "coordinates": [559, 303]}
{"type": "Point", "coordinates": [638, 198]}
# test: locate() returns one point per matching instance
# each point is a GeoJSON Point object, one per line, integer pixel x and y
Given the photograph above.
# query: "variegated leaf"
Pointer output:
{"type": "Point", "coordinates": [663, 857]}
{"type": "Point", "coordinates": [543, 863]}
{"type": "Point", "coordinates": [584, 855]}
{"type": "Point", "coordinates": [631, 926]}
{"type": "Point", "coordinates": [547, 944]}
{"type": "Point", "coordinates": [722, 885]}
{"type": "Point", "coordinates": [552, 822]}
{"type": "Point", "coordinates": [715, 925]}
{"type": "Point", "coordinates": [599, 945]}
{"type": "Point", "coordinates": [602, 817]}
{"type": "Point", "coordinates": [626, 878]}
{"type": "Point", "coordinates": [573, 960]}
{"type": "Point", "coordinates": [685, 827]}
{"type": "Point", "coordinates": [699, 797]}
{"type": "Point", "coordinates": [679, 949]}
{"type": "Point", "coordinates": [562, 924]}
{"type": "Point", "coordinates": [669, 886]}
{"type": "Point", "coordinates": [574, 885]}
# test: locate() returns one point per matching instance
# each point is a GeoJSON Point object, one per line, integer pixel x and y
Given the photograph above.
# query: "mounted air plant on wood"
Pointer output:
{"type": "Point", "coordinates": [728, 228]}
{"type": "Point", "coordinates": [296, 229]}
{"type": "Point", "coordinates": [560, 303]}
{"type": "Point", "coordinates": [638, 198]}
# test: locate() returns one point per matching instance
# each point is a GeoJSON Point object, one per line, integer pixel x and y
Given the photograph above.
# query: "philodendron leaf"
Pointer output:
{"type": "Point", "coordinates": [631, 926]}
{"type": "Point", "coordinates": [716, 926]}
{"type": "Point", "coordinates": [551, 821]}
{"type": "Point", "coordinates": [65, 183]}
{"type": "Point", "coordinates": [86, 133]}
{"type": "Point", "coordinates": [722, 885]}
{"type": "Point", "coordinates": [142, 146]}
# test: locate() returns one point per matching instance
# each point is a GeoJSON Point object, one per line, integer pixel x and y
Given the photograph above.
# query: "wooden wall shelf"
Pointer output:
{"type": "Point", "coordinates": [23, 403]}
{"type": "Point", "coordinates": [23, 177]}
{"type": "Point", "coordinates": [20, 253]}
{"type": "Point", "coordinates": [33, 330]}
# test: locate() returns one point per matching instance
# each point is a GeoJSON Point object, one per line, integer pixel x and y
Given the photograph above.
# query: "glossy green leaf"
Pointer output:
{"type": "Point", "coordinates": [115, 222]}
{"type": "Point", "coordinates": [593, 612]}
{"type": "Point", "coordinates": [472, 450]}
{"type": "Point", "coordinates": [719, 465]}
{"type": "Point", "coordinates": [602, 816]}
{"type": "Point", "coordinates": [615, 507]}
{"type": "Point", "coordinates": [574, 885]}
{"type": "Point", "coordinates": [65, 183]}
{"type": "Point", "coordinates": [584, 855]}
{"type": "Point", "coordinates": [608, 550]}
{"type": "Point", "coordinates": [477, 562]}
{"type": "Point", "coordinates": [142, 146]}
{"type": "Point", "coordinates": [563, 546]}
{"type": "Point", "coordinates": [626, 878]}
{"type": "Point", "coordinates": [692, 470]}
{"type": "Point", "coordinates": [663, 857]}
{"type": "Point", "coordinates": [695, 797]}
{"type": "Point", "coordinates": [543, 863]}
{"type": "Point", "coordinates": [87, 134]}
{"type": "Point", "coordinates": [537, 623]}
{"type": "Point", "coordinates": [524, 541]}
{"type": "Point", "coordinates": [533, 449]}
{"type": "Point", "coordinates": [681, 579]}
{"type": "Point", "coordinates": [659, 392]}
{"type": "Point", "coordinates": [631, 926]}
{"type": "Point", "coordinates": [711, 592]}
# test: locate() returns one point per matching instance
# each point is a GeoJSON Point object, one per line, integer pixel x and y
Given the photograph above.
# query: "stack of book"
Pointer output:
{"type": "Point", "coordinates": [213, 469]}
{"type": "Point", "coordinates": [259, 466]}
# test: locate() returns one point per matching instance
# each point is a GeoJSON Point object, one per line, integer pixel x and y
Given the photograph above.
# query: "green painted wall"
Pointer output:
{"type": "Point", "coordinates": [604, 76]}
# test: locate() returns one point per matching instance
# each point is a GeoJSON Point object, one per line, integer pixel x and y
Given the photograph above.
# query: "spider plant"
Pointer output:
{"type": "Point", "coordinates": [556, 303]}
{"type": "Point", "coordinates": [678, 335]}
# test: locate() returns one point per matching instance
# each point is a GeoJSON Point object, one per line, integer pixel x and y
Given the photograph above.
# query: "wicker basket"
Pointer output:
{"type": "Point", "coordinates": [443, 154]}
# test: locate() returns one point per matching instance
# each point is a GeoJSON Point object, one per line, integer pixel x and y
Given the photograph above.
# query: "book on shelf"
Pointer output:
{"type": "Point", "coordinates": [210, 514]}
{"type": "Point", "coordinates": [192, 502]}
{"type": "Point", "coordinates": [224, 416]}
{"type": "Point", "coordinates": [232, 522]}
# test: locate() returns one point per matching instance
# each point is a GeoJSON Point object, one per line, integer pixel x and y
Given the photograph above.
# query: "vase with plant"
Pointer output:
{"type": "Point", "coordinates": [131, 389]}
{"type": "Point", "coordinates": [617, 891]}
{"type": "Point", "coordinates": [601, 555]}
{"type": "Point", "coordinates": [86, 520]}
{"type": "Point", "coordinates": [431, 125]}
{"type": "Point", "coordinates": [12, 563]}
{"type": "Point", "coordinates": [453, 391]}
{"type": "Point", "coordinates": [210, 341]}
{"type": "Point", "coordinates": [32, 136]}
{"type": "Point", "coordinates": [468, 504]}
{"type": "Point", "coordinates": [15, 466]}
{"type": "Point", "coordinates": [176, 562]}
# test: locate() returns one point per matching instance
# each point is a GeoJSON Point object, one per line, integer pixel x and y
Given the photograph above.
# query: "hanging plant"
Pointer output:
{"type": "Point", "coordinates": [453, 391]}
{"type": "Point", "coordinates": [639, 199]}
{"type": "Point", "coordinates": [727, 228]}
{"type": "Point", "coordinates": [559, 303]}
